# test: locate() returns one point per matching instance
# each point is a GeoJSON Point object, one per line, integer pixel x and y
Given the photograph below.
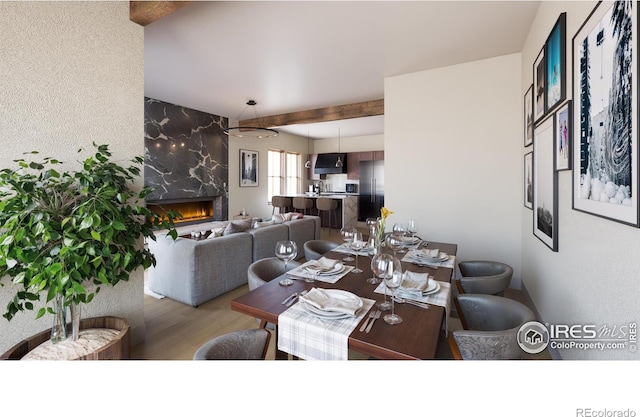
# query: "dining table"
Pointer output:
{"type": "Point", "coordinates": [415, 338]}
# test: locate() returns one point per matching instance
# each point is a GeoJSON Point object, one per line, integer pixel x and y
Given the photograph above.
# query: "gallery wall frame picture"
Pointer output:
{"type": "Point", "coordinates": [605, 113]}
{"type": "Point", "coordinates": [545, 185]}
{"type": "Point", "coordinates": [539, 89]}
{"type": "Point", "coordinates": [563, 121]}
{"type": "Point", "coordinates": [528, 116]}
{"type": "Point", "coordinates": [248, 168]}
{"type": "Point", "coordinates": [528, 180]}
{"type": "Point", "coordinates": [555, 63]}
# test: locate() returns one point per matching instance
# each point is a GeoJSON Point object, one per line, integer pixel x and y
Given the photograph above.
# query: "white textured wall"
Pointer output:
{"type": "Point", "coordinates": [452, 156]}
{"type": "Point", "coordinates": [71, 73]}
{"type": "Point", "coordinates": [593, 278]}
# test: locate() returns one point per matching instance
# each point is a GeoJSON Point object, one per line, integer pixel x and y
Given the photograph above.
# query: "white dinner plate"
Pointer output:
{"type": "Point", "coordinates": [338, 268]}
{"type": "Point", "coordinates": [335, 294]}
{"type": "Point", "coordinates": [433, 288]}
{"type": "Point", "coordinates": [422, 257]}
{"type": "Point", "coordinates": [410, 240]}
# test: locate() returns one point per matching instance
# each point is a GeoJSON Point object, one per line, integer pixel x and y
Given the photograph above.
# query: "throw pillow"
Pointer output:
{"type": "Point", "coordinates": [237, 226]}
{"type": "Point", "coordinates": [216, 232]}
{"type": "Point", "coordinates": [263, 224]}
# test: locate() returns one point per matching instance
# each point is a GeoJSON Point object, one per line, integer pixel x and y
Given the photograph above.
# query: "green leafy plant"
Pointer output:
{"type": "Point", "coordinates": [68, 233]}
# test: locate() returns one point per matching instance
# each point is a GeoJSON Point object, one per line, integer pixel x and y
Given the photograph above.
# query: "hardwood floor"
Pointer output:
{"type": "Point", "coordinates": [175, 330]}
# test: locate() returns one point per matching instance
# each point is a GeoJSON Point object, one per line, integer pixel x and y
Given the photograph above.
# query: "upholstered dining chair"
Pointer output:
{"type": "Point", "coordinates": [484, 277]}
{"type": "Point", "coordinates": [315, 249]}
{"type": "Point", "coordinates": [242, 344]}
{"type": "Point", "coordinates": [490, 327]}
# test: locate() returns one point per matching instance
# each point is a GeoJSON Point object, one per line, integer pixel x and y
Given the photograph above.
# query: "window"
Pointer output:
{"type": "Point", "coordinates": [284, 173]}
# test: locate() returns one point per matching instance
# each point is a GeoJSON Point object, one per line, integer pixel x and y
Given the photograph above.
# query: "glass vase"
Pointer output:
{"type": "Point", "coordinates": [75, 310]}
{"type": "Point", "coordinates": [59, 327]}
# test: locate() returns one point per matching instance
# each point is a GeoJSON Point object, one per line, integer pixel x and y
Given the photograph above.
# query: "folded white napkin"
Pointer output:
{"type": "Point", "coordinates": [428, 253]}
{"type": "Point", "coordinates": [414, 282]}
{"type": "Point", "coordinates": [322, 265]}
{"type": "Point", "coordinates": [323, 300]}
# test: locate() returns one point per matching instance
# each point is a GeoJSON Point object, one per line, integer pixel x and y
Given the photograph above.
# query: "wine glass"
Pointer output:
{"type": "Point", "coordinates": [413, 228]}
{"type": "Point", "coordinates": [394, 243]}
{"type": "Point", "coordinates": [393, 281]}
{"type": "Point", "coordinates": [347, 236]}
{"type": "Point", "coordinates": [357, 244]}
{"type": "Point", "coordinates": [401, 230]}
{"type": "Point", "coordinates": [381, 264]}
{"type": "Point", "coordinates": [287, 251]}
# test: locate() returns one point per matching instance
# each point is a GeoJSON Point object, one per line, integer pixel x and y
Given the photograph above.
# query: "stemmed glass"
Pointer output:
{"type": "Point", "coordinates": [413, 228]}
{"type": "Point", "coordinates": [382, 265]}
{"type": "Point", "coordinates": [394, 243]}
{"type": "Point", "coordinates": [287, 251]}
{"type": "Point", "coordinates": [393, 281]}
{"type": "Point", "coordinates": [357, 244]}
{"type": "Point", "coordinates": [401, 230]}
{"type": "Point", "coordinates": [347, 236]}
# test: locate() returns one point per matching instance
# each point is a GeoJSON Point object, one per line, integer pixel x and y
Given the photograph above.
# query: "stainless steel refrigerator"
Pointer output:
{"type": "Point", "coordinates": [371, 187]}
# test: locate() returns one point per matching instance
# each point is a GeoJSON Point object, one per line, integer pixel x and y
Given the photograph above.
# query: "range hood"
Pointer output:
{"type": "Point", "coordinates": [326, 163]}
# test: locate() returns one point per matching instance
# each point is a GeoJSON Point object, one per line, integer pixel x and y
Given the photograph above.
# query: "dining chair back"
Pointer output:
{"type": "Point", "coordinates": [315, 249]}
{"type": "Point", "coordinates": [484, 277]}
{"type": "Point", "coordinates": [490, 327]}
{"type": "Point", "coordinates": [303, 204]}
{"type": "Point", "coordinates": [324, 204]}
{"type": "Point", "coordinates": [243, 344]}
{"type": "Point", "coordinates": [266, 269]}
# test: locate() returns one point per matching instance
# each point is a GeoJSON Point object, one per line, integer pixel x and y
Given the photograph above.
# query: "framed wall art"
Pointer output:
{"type": "Point", "coordinates": [563, 137]}
{"type": "Point", "coordinates": [539, 89]}
{"type": "Point", "coordinates": [555, 57]}
{"type": "Point", "coordinates": [528, 180]}
{"type": "Point", "coordinates": [248, 168]}
{"type": "Point", "coordinates": [605, 113]}
{"type": "Point", "coordinates": [545, 185]}
{"type": "Point", "coordinates": [528, 117]}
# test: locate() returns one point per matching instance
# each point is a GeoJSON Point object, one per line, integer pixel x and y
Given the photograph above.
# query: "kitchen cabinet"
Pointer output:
{"type": "Point", "coordinates": [354, 158]}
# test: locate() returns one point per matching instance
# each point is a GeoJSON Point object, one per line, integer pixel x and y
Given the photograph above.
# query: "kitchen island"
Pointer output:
{"type": "Point", "coordinates": [346, 213]}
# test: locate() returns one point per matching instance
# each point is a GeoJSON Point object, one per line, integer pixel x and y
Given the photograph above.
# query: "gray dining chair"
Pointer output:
{"type": "Point", "coordinates": [266, 269]}
{"type": "Point", "coordinates": [484, 277]}
{"type": "Point", "coordinates": [490, 327]}
{"type": "Point", "coordinates": [249, 344]}
{"type": "Point", "coordinates": [315, 249]}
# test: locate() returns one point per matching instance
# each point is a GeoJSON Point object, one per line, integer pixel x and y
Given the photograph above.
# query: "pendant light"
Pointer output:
{"type": "Point", "coordinates": [339, 161]}
{"type": "Point", "coordinates": [308, 163]}
{"type": "Point", "coordinates": [250, 131]}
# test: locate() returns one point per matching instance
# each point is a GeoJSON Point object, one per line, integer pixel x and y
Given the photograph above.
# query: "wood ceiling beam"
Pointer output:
{"type": "Point", "coordinates": [147, 12]}
{"type": "Point", "coordinates": [325, 114]}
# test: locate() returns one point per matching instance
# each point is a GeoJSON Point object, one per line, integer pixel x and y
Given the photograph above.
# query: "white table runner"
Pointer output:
{"type": "Point", "coordinates": [309, 337]}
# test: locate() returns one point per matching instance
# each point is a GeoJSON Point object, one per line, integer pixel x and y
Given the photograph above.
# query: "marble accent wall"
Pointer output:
{"type": "Point", "coordinates": [186, 154]}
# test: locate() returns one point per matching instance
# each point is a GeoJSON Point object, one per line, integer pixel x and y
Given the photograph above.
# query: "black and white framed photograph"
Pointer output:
{"type": "Point", "coordinates": [528, 180]}
{"type": "Point", "coordinates": [248, 168]}
{"type": "Point", "coordinates": [563, 136]}
{"type": "Point", "coordinates": [545, 185]}
{"type": "Point", "coordinates": [528, 117]}
{"type": "Point", "coordinates": [555, 57]}
{"type": "Point", "coordinates": [605, 114]}
{"type": "Point", "coordinates": [539, 89]}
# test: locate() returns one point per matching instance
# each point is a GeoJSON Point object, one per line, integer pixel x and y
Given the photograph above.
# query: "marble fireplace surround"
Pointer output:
{"type": "Point", "coordinates": [186, 158]}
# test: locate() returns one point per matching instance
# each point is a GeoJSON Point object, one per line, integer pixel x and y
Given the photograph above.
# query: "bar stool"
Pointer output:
{"type": "Point", "coordinates": [301, 203]}
{"type": "Point", "coordinates": [282, 203]}
{"type": "Point", "coordinates": [330, 205]}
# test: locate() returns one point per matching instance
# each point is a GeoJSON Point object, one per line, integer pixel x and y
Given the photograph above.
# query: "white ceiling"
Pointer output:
{"type": "Point", "coordinates": [300, 55]}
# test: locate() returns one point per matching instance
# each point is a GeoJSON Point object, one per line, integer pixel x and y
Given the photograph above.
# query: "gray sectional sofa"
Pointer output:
{"type": "Point", "coordinates": [195, 271]}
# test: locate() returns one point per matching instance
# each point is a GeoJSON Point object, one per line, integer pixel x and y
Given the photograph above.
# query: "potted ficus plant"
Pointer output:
{"type": "Point", "coordinates": [64, 234]}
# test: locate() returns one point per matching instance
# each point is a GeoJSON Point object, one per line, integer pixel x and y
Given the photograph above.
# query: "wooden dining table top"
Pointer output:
{"type": "Point", "coordinates": [415, 338]}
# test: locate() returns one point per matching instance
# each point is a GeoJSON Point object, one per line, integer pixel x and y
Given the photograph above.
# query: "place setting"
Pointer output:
{"type": "Point", "coordinates": [318, 325]}
{"type": "Point", "coordinates": [429, 257]}
{"type": "Point", "coordinates": [323, 269]}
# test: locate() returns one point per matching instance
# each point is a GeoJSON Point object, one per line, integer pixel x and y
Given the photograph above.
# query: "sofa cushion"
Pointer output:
{"type": "Point", "coordinates": [237, 226]}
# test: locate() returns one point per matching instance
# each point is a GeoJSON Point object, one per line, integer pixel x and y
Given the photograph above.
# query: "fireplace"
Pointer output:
{"type": "Point", "coordinates": [193, 210]}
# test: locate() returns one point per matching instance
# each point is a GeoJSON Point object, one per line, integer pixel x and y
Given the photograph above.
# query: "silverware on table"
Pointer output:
{"type": "Point", "coordinates": [401, 300]}
{"type": "Point", "coordinates": [373, 320]}
{"type": "Point", "coordinates": [366, 321]}
{"type": "Point", "coordinates": [289, 298]}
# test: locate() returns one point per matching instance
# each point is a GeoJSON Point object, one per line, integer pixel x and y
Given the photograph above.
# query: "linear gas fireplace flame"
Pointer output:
{"type": "Point", "coordinates": [194, 210]}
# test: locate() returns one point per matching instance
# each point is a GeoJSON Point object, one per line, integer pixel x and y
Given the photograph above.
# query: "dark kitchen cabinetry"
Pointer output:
{"type": "Point", "coordinates": [353, 165]}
